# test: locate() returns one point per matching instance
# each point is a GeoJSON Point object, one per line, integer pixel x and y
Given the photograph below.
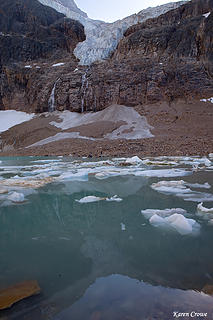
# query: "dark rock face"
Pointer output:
{"type": "Point", "coordinates": [31, 31]}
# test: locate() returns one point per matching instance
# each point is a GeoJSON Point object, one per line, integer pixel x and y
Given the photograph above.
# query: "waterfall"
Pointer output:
{"type": "Point", "coordinates": [84, 87]}
{"type": "Point", "coordinates": [51, 101]}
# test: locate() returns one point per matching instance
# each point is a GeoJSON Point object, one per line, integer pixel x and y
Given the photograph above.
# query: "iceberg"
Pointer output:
{"type": "Point", "coordinates": [148, 213]}
{"type": "Point", "coordinates": [176, 222]}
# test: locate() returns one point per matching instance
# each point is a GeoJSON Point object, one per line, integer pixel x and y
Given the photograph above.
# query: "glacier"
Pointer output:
{"type": "Point", "coordinates": [101, 37]}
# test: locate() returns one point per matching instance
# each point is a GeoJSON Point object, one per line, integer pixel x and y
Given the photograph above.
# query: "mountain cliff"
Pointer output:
{"type": "Point", "coordinates": [101, 37]}
{"type": "Point", "coordinates": [164, 58]}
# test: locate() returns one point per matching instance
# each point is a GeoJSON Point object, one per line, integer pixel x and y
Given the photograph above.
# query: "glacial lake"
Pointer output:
{"type": "Point", "coordinates": [76, 226]}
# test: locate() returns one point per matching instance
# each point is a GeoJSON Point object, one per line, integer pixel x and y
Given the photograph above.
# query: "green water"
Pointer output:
{"type": "Point", "coordinates": [86, 265]}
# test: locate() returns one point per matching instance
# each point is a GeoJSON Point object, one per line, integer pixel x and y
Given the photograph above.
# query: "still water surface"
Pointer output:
{"type": "Point", "coordinates": [104, 260]}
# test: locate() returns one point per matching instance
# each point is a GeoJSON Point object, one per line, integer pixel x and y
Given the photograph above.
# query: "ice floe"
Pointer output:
{"type": "Point", "coordinates": [90, 199]}
{"type": "Point", "coordinates": [16, 197]}
{"type": "Point", "coordinates": [181, 189]}
{"type": "Point", "coordinates": [163, 173]}
{"type": "Point", "coordinates": [148, 213]}
{"type": "Point", "coordinates": [96, 199]}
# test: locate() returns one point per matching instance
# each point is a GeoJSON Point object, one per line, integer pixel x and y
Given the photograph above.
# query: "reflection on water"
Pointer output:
{"type": "Point", "coordinates": [119, 297]}
{"type": "Point", "coordinates": [87, 265]}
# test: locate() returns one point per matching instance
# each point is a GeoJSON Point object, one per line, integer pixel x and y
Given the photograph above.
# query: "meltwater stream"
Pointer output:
{"type": "Point", "coordinates": [76, 226]}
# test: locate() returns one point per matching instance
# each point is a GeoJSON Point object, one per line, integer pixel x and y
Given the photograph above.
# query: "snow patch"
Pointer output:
{"type": "Point", "coordinates": [135, 127]}
{"type": "Point", "coordinates": [58, 64]}
{"type": "Point", "coordinates": [207, 100]}
{"type": "Point", "coordinates": [11, 118]}
{"type": "Point", "coordinates": [206, 14]}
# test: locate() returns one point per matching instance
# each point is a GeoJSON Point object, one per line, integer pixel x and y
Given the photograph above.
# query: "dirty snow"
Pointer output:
{"type": "Point", "coordinates": [136, 126]}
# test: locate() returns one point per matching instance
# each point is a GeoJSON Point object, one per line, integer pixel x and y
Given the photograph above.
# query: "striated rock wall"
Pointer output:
{"type": "Point", "coordinates": [31, 36]}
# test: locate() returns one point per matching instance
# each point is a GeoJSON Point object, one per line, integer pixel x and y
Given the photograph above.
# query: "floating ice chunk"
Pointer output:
{"type": "Point", "coordinates": [205, 185]}
{"type": "Point", "coordinates": [179, 188]}
{"type": "Point", "coordinates": [203, 209]}
{"type": "Point", "coordinates": [181, 224]}
{"type": "Point", "coordinates": [106, 174]}
{"type": "Point", "coordinates": [114, 198]}
{"type": "Point", "coordinates": [78, 176]}
{"type": "Point", "coordinates": [157, 221]}
{"type": "Point", "coordinates": [164, 173]}
{"type": "Point", "coordinates": [28, 67]}
{"type": "Point", "coordinates": [16, 197]}
{"type": "Point", "coordinates": [134, 160]}
{"type": "Point", "coordinates": [177, 222]}
{"type": "Point", "coordinates": [90, 199]}
{"type": "Point", "coordinates": [148, 213]}
{"type": "Point", "coordinates": [170, 187]}
{"type": "Point", "coordinates": [123, 227]}
{"type": "Point", "coordinates": [58, 64]}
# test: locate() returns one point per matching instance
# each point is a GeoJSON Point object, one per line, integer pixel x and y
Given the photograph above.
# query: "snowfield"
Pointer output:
{"type": "Point", "coordinates": [11, 118]}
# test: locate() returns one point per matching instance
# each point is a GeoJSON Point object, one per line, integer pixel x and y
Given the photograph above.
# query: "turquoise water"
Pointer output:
{"type": "Point", "coordinates": [104, 260]}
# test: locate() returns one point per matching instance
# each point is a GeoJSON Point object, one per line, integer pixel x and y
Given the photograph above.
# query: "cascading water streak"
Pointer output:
{"type": "Point", "coordinates": [84, 87]}
{"type": "Point", "coordinates": [51, 101]}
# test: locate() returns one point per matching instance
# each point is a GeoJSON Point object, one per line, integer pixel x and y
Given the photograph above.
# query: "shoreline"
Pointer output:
{"type": "Point", "coordinates": [150, 147]}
